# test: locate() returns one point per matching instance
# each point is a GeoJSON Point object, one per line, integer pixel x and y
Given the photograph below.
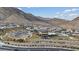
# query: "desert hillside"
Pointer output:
{"type": "Point", "coordinates": [14, 15]}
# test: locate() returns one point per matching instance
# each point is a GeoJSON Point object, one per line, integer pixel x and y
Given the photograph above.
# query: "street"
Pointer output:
{"type": "Point", "coordinates": [7, 48]}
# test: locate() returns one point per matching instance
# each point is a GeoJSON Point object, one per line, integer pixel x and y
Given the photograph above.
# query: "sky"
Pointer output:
{"type": "Point", "coordinates": [68, 13]}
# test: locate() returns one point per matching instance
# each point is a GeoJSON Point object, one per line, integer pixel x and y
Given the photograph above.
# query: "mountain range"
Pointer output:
{"type": "Point", "coordinates": [14, 15]}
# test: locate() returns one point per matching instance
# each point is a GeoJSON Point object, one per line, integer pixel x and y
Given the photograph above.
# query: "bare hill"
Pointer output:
{"type": "Point", "coordinates": [14, 15]}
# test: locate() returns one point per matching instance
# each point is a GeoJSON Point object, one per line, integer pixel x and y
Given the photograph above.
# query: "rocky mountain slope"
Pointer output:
{"type": "Point", "coordinates": [61, 22]}
{"type": "Point", "coordinates": [14, 15]}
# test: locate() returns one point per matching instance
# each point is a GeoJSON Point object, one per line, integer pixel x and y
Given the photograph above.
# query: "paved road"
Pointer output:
{"type": "Point", "coordinates": [3, 47]}
{"type": "Point", "coordinates": [7, 48]}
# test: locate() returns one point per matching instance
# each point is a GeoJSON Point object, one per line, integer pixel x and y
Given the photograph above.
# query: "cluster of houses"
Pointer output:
{"type": "Point", "coordinates": [8, 25]}
{"type": "Point", "coordinates": [42, 31]}
{"type": "Point", "coordinates": [51, 31]}
{"type": "Point", "coordinates": [23, 35]}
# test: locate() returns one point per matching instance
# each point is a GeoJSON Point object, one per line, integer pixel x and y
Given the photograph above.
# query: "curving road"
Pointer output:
{"type": "Point", "coordinates": [7, 48]}
{"type": "Point", "coordinates": [4, 47]}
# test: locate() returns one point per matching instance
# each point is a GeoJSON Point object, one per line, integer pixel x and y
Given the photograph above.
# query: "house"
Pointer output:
{"type": "Point", "coordinates": [2, 26]}
{"type": "Point", "coordinates": [76, 32]}
{"type": "Point", "coordinates": [42, 31]}
{"type": "Point", "coordinates": [8, 25]}
{"type": "Point", "coordinates": [45, 34]}
{"type": "Point", "coordinates": [52, 33]}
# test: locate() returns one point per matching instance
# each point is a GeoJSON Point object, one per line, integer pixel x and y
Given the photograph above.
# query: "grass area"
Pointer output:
{"type": "Point", "coordinates": [34, 37]}
{"type": "Point", "coordinates": [60, 38]}
{"type": "Point", "coordinates": [76, 37]}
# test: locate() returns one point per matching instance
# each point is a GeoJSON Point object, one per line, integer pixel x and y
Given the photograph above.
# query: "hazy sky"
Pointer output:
{"type": "Point", "coordinates": [68, 13]}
